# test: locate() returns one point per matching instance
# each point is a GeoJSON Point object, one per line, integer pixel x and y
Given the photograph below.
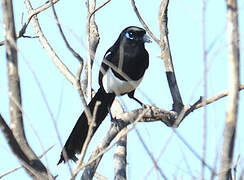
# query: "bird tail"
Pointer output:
{"type": "Point", "coordinates": [78, 135]}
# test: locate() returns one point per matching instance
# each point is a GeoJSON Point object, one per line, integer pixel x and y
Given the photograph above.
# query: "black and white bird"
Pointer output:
{"type": "Point", "coordinates": [122, 70]}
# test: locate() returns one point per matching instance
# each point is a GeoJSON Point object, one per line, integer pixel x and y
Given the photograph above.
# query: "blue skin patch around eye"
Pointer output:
{"type": "Point", "coordinates": [128, 36]}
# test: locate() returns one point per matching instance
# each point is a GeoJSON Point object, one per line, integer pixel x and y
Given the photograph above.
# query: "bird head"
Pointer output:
{"type": "Point", "coordinates": [135, 34]}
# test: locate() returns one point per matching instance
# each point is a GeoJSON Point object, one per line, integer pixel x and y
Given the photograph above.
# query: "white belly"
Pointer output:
{"type": "Point", "coordinates": [112, 84]}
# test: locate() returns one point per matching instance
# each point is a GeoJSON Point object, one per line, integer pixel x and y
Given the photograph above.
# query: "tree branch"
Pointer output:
{"type": "Point", "coordinates": [151, 114]}
{"type": "Point", "coordinates": [33, 166]}
{"type": "Point", "coordinates": [31, 15]}
{"type": "Point", "coordinates": [120, 158]}
{"type": "Point", "coordinates": [163, 42]}
{"type": "Point", "coordinates": [16, 137]}
{"type": "Point", "coordinates": [166, 56]}
{"type": "Point", "coordinates": [21, 166]}
{"type": "Point", "coordinates": [143, 22]}
{"type": "Point", "coordinates": [45, 44]}
{"type": "Point", "coordinates": [234, 81]}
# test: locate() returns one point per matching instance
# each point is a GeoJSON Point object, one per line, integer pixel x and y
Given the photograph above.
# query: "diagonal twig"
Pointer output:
{"type": "Point", "coordinates": [143, 22]}
{"type": "Point", "coordinates": [19, 167]}
{"type": "Point", "coordinates": [31, 15]}
{"type": "Point", "coordinates": [46, 45]}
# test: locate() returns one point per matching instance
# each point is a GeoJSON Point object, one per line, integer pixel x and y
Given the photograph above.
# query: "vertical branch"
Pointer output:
{"type": "Point", "coordinates": [17, 136]}
{"type": "Point", "coordinates": [120, 158]}
{"type": "Point", "coordinates": [13, 76]}
{"type": "Point", "coordinates": [234, 80]}
{"type": "Point", "coordinates": [121, 149]}
{"type": "Point", "coordinates": [97, 154]}
{"type": "Point", "coordinates": [204, 52]}
{"type": "Point", "coordinates": [93, 41]}
{"type": "Point", "coordinates": [46, 45]}
{"type": "Point", "coordinates": [166, 56]}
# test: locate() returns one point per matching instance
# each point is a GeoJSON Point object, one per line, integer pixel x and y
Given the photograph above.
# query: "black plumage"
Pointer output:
{"type": "Point", "coordinates": [122, 70]}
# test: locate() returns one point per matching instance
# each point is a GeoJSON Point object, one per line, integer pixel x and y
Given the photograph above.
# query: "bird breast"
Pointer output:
{"type": "Point", "coordinates": [113, 84]}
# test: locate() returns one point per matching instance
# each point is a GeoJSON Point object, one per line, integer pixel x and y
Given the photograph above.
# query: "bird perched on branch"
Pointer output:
{"type": "Point", "coordinates": [122, 70]}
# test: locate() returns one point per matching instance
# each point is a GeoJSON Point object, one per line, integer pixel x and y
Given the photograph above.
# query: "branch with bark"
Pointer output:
{"type": "Point", "coordinates": [16, 135]}
{"type": "Point", "coordinates": [150, 114]}
{"type": "Point", "coordinates": [173, 118]}
{"type": "Point", "coordinates": [170, 118]}
{"type": "Point", "coordinates": [233, 100]}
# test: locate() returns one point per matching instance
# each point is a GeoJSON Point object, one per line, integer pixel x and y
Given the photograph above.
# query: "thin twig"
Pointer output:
{"type": "Point", "coordinates": [140, 115]}
{"type": "Point", "coordinates": [51, 53]}
{"type": "Point", "coordinates": [114, 131]}
{"type": "Point", "coordinates": [92, 41]}
{"type": "Point", "coordinates": [151, 155]}
{"type": "Point", "coordinates": [143, 23]}
{"type": "Point", "coordinates": [81, 61]}
{"type": "Point", "coordinates": [204, 53]}
{"type": "Point", "coordinates": [35, 167]}
{"type": "Point", "coordinates": [194, 152]}
{"type": "Point", "coordinates": [235, 166]}
{"type": "Point", "coordinates": [88, 139]}
{"type": "Point", "coordinates": [19, 167]}
{"type": "Point", "coordinates": [217, 97]}
{"type": "Point", "coordinates": [31, 15]}
{"type": "Point", "coordinates": [55, 59]}
{"type": "Point", "coordinates": [160, 154]}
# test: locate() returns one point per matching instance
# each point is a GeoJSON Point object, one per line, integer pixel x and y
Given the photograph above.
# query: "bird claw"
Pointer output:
{"type": "Point", "coordinates": [117, 124]}
{"type": "Point", "coordinates": [145, 106]}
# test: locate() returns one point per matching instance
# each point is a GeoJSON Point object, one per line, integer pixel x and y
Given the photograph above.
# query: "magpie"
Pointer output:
{"type": "Point", "coordinates": [122, 70]}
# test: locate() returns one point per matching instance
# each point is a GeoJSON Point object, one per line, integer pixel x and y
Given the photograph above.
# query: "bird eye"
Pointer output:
{"type": "Point", "coordinates": [130, 35]}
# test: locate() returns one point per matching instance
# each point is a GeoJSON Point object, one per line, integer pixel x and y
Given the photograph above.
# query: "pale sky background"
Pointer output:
{"type": "Point", "coordinates": [185, 35]}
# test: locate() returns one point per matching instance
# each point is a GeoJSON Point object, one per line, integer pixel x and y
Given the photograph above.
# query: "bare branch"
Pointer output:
{"type": "Point", "coordinates": [16, 137]}
{"type": "Point", "coordinates": [166, 56]}
{"type": "Point", "coordinates": [234, 81]}
{"type": "Point", "coordinates": [160, 154]}
{"type": "Point", "coordinates": [150, 114]}
{"type": "Point", "coordinates": [88, 139]}
{"type": "Point", "coordinates": [204, 54]}
{"type": "Point", "coordinates": [33, 166]}
{"type": "Point", "coordinates": [13, 76]}
{"type": "Point", "coordinates": [19, 167]}
{"type": "Point", "coordinates": [103, 147]}
{"type": "Point", "coordinates": [33, 13]}
{"type": "Point", "coordinates": [143, 23]}
{"type": "Point", "coordinates": [151, 156]}
{"type": "Point", "coordinates": [81, 61]}
{"type": "Point", "coordinates": [235, 166]}
{"type": "Point", "coordinates": [217, 97]}
{"type": "Point", "coordinates": [51, 53]}
{"type": "Point", "coordinates": [92, 41]}
{"type": "Point", "coordinates": [120, 158]}
{"type": "Point", "coordinates": [98, 153]}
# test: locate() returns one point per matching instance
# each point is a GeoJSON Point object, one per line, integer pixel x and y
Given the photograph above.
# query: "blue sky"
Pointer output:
{"type": "Point", "coordinates": [185, 35]}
